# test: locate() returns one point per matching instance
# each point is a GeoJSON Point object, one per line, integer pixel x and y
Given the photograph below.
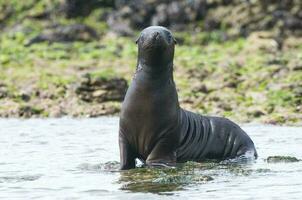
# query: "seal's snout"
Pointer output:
{"type": "Point", "coordinates": [156, 35]}
{"type": "Point", "coordinates": [157, 38]}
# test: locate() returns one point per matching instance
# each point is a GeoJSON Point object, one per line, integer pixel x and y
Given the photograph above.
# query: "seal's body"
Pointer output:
{"type": "Point", "coordinates": [155, 129]}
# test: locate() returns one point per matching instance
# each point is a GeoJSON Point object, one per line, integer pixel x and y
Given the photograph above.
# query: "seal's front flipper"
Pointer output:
{"type": "Point", "coordinates": [163, 155]}
{"type": "Point", "coordinates": [127, 156]}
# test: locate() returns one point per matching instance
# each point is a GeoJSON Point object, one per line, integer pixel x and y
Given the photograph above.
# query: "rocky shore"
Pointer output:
{"type": "Point", "coordinates": [239, 59]}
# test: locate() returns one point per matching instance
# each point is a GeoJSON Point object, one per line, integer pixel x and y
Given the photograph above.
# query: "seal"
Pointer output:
{"type": "Point", "coordinates": [155, 129]}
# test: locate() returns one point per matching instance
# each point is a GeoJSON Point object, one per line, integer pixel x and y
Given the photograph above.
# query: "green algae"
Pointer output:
{"type": "Point", "coordinates": [159, 180]}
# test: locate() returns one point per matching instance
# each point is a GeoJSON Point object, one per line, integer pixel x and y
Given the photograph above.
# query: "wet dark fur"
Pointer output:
{"type": "Point", "coordinates": [155, 129]}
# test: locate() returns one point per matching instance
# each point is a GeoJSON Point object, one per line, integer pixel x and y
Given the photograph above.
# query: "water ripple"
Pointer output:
{"type": "Point", "coordinates": [112, 166]}
{"type": "Point", "coordinates": [10, 179]}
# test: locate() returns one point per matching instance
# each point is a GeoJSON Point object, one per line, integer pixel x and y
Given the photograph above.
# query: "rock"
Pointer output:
{"type": "Point", "coordinates": [278, 159]}
{"type": "Point", "coordinates": [135, 13]}
{"type": "Point", "coordinates": [69, 33]}
{"type": "Point", "coordinates": [7, 11]}
{"type": "Point", "coordinates": [297, 68]}
{"type": "Point", "coordinates": [101, 89]}
{"type": "Point", "coordinates": [295, 64]}
{"type": "Point", "coordinates": [27, 111]}
{"type": "Point", "coordinates": [178, 13]}
{"type": "Point", "coordinates": [140, 14]}
{"type": "Point", "coordinates": [120, 27]}
{"type": "Point", "coordinates": [293, 23]}
{"type": "Point", "coordinates": [225, 106]}
{"type": "Point", "coordinates": [275, 119]}
{"type": "Point", "coordinates": [298, 92]}
{"type": "Point", "coordinates": [200, 88]}
{"type": "Point", "coordinates": [3, 91]}
{"type": "Point", "coordinates": [106, 109]}
{"type": "Point", "coordinates": [59, 107]}
{"type": "Point", "coordinates": [255, 112]}
{"type": "Point", "coordinates": [236, 17]}
{"type": "Point", "coordinates": [78, 8]}
{"type": "Point", "coordinates": [20, 29]}
{"type": "Point", "coordinates": [299, 108]}
{"type": "Point", "coordinates": [24, 95]}
{"type": "Point", "coordinates": [98, 93]}
{"type": "Point", "coordinates": [199, 74]}
{"type": "Point", "coordinates": [292, 42]}
{"type": "Point", "coordinates": [262, 40]}
{"type": "Point", "coordinates": [241, 18]}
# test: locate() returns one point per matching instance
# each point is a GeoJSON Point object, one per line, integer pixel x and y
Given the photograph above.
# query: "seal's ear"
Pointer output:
{"type": "Point", "coordinates": [175, 41]}
{"type": "Point", "coordinates": [136, 41]}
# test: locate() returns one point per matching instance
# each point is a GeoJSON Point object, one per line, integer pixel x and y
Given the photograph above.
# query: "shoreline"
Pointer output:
{"type": "Point", "coordinates": [68, 117]}
{"type": "Point", "coordinates": [266, 121]}
{"type": "Point", "coordinates": [55, 66]}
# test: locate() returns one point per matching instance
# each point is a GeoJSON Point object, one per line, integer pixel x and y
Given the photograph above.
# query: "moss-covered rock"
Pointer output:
{"type": "Point", "coordinates": [69, 33]}
{"type": "Point", "coordinates": [252, 78]}
{"type": "Point", "coordinates": [159, 180]}
{"type": "Point", "coordinates": [278, 159]}
{"type": "Point", "coordinates": [101, 89]}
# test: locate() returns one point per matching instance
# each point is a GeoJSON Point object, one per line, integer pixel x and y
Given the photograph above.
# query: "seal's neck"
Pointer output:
{"type": "Point", "coordinates": [155, 70]}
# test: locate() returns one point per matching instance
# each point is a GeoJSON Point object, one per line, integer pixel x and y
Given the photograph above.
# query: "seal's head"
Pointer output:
{"type": "Point", "coordinates": [155, 47]}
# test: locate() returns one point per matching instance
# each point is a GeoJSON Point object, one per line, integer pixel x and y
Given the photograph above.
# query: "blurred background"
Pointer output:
{"type": "Point", "coordinates": [236, 58]}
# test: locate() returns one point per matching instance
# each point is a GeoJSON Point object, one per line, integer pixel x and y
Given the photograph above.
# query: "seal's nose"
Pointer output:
{"type": "Point", "coordinates": [156, 35]}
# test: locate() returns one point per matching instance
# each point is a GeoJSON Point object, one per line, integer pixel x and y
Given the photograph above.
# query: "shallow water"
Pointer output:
{"type": "Point", "coordinates": [77, 159]}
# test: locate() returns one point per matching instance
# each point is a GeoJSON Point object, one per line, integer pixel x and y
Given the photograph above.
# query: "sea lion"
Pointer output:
{"type": "Point", "coordinates": [153, 127]}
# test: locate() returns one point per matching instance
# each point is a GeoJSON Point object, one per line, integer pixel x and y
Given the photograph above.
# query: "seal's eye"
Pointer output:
{"type": "Point", "coordinates": [137, 40]}
{"type": "Point", "coordinates": [171, 38]}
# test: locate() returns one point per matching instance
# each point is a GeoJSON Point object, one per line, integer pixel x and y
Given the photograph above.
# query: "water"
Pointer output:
{"type": "Point", "coordinates": [77, 159]}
